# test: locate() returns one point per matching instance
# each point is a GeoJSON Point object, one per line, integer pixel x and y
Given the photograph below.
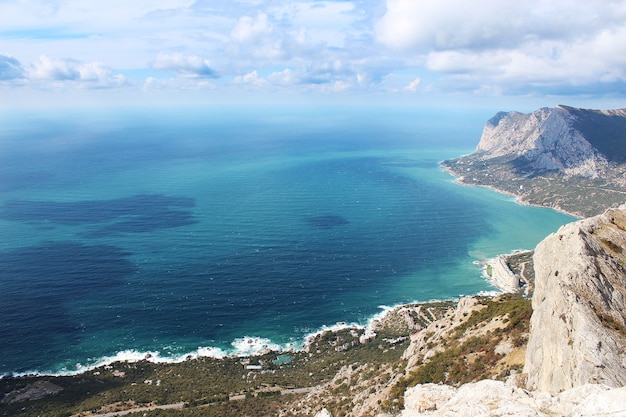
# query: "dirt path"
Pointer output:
{"type": "Point", "coordinates": [182, 404]}
{"type": "Point", "coordinates": [140, 409]}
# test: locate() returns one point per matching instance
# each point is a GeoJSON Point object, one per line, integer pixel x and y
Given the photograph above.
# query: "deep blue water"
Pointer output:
{"type": "Point", "coordinates": [188, 231]}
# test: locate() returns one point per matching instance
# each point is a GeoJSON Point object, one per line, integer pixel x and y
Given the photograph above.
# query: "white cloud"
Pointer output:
{"type": "Point", "coordinates": [330, 76]}
{"type": "Point", "coordinates": [451, 24]}
{"type": "Point", "coordinates": [90, 74]}
{"type": "Point", "coordinates": [506, 45]}
{"type": "Point", "coordinates": [328, 23]}
{"type": "Point", "coordinates": [489, 47]}
{"type": "Point", "coordinates": [256, 41]}
{"type": "Point", "coordinates": [285, 77]}
{"type": "Point", "coordinates": [177, 84]}
{"type": "Point", "coordinates": [248, 28]}
{"type": "Point", "coordinates": [341, 86]}
{"type": "Point", "coordinates": [251, 78]}
{"type": "Point", "coordinates": [191, 66]}
{"type": "Point", "coordinates": [94, 17]}
{"type": "Point", "coordinates": [54, 69]}
{"type": "Point", "coordinates": [10, 68]}
{"type": "Point", "coordinates": [537, 64]}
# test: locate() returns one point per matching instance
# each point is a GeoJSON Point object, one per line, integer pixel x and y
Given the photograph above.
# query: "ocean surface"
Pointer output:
{"type": "Point", "coordinates": [220, 231]}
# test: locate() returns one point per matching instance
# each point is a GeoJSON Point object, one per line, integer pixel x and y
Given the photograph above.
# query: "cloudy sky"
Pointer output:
{"type": "Point", "coordinates": [542, 52]}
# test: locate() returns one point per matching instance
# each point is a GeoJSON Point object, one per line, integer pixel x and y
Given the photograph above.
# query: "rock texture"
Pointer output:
{"type": "Point", "coordinates": [565, 158]}
{"type": "Point", "coordinates": [578, 326]}
{"type": "Point", "coordinates": [495, 398]}
{"type": "Point", "coordinates": [426, 343]}
{"type": "Point", "coordinates": [545, 140]}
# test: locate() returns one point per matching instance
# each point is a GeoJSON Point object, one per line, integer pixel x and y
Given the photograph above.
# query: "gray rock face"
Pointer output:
{"type": "Point", "coordinates": [578, 326]}
{"type": "Point", "coordinates": [494, 399]}
{"type": "Point", "coordinates": [546, 140]}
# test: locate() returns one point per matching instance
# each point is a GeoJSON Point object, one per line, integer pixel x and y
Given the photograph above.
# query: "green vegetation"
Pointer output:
{"type": "Point", "coordinates": [515, 308]}
{"type": "Point", "coordinates": [583, 197]}
{"type": "Point", "coordinates": [466, 359]}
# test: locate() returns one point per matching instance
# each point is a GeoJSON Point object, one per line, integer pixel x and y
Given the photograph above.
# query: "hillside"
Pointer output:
{"type": "Point", "coordinates": [565, 158]}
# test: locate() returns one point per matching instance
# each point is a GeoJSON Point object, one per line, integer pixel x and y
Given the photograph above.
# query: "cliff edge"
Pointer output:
{"type": "Point", "coordinates": [578, 326]}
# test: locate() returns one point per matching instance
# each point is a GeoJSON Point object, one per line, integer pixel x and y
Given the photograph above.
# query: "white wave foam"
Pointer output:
{"type": "Point", "coordinates": [309, 337]}
{"type": "Point", "coordinates": [241, 347]}
{"type": "Point", "coordinates": [367, 325]}
{"type": "Point", "coordinates": [131, 355]}
{"type": "Point", "coordinates": [250, 346]}
{"type": "Point", "coordinates": [486, 293]}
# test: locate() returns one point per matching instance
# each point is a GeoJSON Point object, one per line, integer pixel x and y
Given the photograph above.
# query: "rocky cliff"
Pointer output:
{"type": "Point", "coordinates": [495, 398]}
{"type": "Point", "coordinates": [548, 139]}
{"type": "Point", "coordinates": [566, 158]}
{"type": "Point", "coordinates": [575, 361]}
{"type": "Point", "coordinates": [578, 326]}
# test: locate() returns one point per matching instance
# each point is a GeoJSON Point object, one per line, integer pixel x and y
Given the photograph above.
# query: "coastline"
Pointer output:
{"type": "Point", "coordinates": [459, 179]}
{"type": "Point", "coordinates": [497, 273]}
{"type": "Point", "coordinates": [243, 347]}
{"type": "Point", "coordinates": [257, 346]}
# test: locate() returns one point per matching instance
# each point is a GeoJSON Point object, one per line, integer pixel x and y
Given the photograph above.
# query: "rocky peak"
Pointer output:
{"type": "Point", "coordinates": [549, 139]}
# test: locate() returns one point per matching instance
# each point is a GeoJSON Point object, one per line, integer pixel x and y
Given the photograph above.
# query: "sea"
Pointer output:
{"type": "Point", "coordinates": [173, 233]}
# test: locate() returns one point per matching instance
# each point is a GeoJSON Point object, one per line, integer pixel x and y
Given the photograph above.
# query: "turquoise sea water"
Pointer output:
{"type": "Point", "coordinates": [219, 231]}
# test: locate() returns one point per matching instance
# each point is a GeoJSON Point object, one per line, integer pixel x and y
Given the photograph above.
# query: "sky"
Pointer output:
{"type": "Point", "coordinates": [500, 53]}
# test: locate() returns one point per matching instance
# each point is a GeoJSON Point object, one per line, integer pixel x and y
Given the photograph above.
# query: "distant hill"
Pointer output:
{"type": "Point", "coordinates": [564, 157]}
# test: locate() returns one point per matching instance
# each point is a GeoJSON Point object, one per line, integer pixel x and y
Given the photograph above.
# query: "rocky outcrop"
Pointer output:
{"type": "Point", "coordinates": [426, 343]}
{"type": "Point", "coordinates": [34, 391]}
{"type": "Point", "coordinates": [545, 140]}
{"type": "Point", "coordinates": [495, 398]}
{"type": "Point", "coordinates": [578, 326]}
{"type": "Point", "coordinates": [575, 360]}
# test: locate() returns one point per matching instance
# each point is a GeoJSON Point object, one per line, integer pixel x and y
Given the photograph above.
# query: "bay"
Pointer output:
{"type": "Point", "coordinates": [220, 231]}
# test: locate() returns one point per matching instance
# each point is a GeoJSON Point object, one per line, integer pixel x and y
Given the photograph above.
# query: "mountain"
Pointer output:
{"type": "Point", "coordinates": [566, 158]}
